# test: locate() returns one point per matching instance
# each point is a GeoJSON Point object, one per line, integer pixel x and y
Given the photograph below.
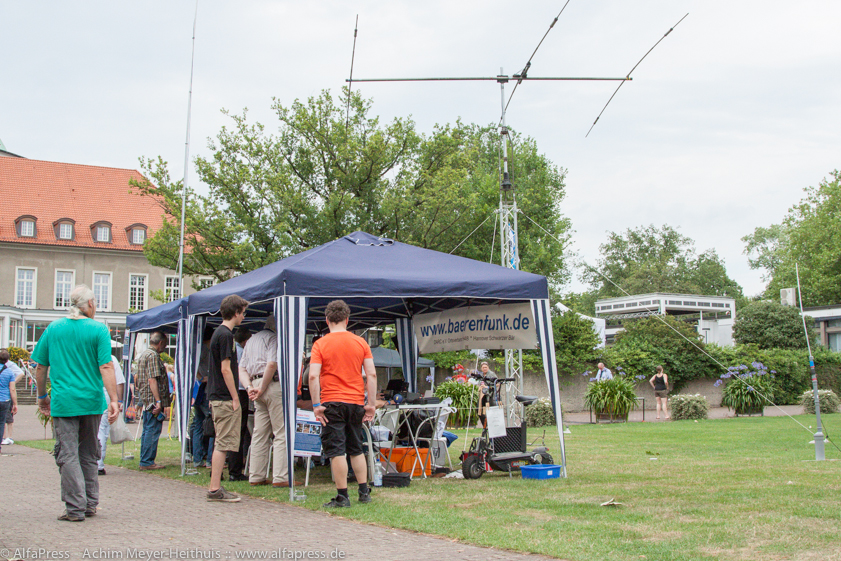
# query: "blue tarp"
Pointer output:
{"type": "Point", "coordinates": [160, 318]}
{"type": "Point", "coordinates": [380, 279]}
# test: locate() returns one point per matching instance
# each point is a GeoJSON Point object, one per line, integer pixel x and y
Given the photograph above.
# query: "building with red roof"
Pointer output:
{"type": "Point", "coordinates": [70, 224]}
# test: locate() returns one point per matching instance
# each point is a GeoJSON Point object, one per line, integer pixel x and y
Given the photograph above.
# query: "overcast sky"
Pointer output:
{"type": "Point", "coordinates": [725, 123]}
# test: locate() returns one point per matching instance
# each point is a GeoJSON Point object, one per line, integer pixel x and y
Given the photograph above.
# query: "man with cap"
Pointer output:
{"type": "Point", "coordinates": [258, 374]}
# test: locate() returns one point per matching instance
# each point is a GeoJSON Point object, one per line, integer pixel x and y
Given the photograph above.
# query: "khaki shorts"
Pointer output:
{"type": "Point", "coordinates": [664, 394]}
{"type": "Point", "coordinates": [227, 424]}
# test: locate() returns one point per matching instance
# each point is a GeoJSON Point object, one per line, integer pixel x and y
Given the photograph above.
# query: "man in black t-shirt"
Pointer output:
{"type": "Point", "coordinates": [222, 394]}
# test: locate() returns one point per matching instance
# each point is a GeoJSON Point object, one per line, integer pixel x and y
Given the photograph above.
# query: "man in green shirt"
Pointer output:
{"type": "Point", "coordinates": [76, 352]}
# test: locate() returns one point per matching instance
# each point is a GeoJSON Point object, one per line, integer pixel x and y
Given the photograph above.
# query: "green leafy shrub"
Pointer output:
{"type": "Point", "coordinates": [687, 406]}
{"type": "Point", "coordinates": [770, 325]}
{"type": "Point", "coordinates": [17, 354]}
{"type": "Point", "coordinates": [748, 390]}
{"type": "Point", "coordinates": [540, 413]}
{"type": "Point", "coordinates": [827, 398]}
{"type": "Point", "coordinates": [166, 359]}
{"type": "Point", "coordinates": [465, 400]}
{"type": "Point", "coordinates": [614, 397]}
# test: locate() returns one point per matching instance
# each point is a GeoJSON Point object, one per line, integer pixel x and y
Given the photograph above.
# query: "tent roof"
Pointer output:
{"type": "Point", "coordinates": [160, 318]}
{"type": "Point", "coordinates": [389, 358]}
{"type": "Point", "coordinates": [379, 278]}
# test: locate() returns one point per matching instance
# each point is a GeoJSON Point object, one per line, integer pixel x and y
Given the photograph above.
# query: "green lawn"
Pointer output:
{"type": "Point", "coordinates": [725, 489]}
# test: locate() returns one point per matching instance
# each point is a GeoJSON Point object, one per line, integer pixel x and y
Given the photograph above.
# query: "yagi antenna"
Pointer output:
{"type": "Point", "coordinates": [629, 74]}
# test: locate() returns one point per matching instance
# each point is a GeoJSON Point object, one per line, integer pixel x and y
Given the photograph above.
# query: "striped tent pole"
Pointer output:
{"type": "Point", "coordinates": [408, 351]}
{"type": "Point", "coordinates": [543, 324]}
{"type": "Point", "coordinates": [291, 318]}
{"type": "Point", "coordinates": [182, 339]}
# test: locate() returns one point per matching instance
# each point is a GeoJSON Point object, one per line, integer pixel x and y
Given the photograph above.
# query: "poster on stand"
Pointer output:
{"type": "Point", "coordinates": [307, 434]}
{"type": "Point", "coordinates": [496, 422]}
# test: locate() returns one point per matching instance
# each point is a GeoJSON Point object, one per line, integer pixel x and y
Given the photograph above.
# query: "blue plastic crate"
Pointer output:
{"type": "Point", "coordinates": [543, 471]}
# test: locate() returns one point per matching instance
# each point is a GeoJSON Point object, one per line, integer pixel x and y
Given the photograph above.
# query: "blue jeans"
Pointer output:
{"type": "Point", "coordinates": [197, 436]}
{"type": "Point", "coordinates": [149, 441]}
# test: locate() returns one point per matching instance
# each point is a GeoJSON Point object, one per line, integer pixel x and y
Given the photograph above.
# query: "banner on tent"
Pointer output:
{"type": "Point", "coordinates": [509, 326]}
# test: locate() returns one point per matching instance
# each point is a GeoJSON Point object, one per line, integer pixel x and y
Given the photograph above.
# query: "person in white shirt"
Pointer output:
{"type": "Point", "coordinates": [104, 425]}
{"type": "Point", "coordinates": [603, 373]}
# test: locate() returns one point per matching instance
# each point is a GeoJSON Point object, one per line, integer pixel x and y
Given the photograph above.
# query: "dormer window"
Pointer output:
{"type": "Point", "coordinates": [25, 226]}
{"type": "Point", "coordinates": [136, 234]}
{"type": "Point", "coordinates": [101, 232]}
{"type": "Point", "coordinates": [64, 229]}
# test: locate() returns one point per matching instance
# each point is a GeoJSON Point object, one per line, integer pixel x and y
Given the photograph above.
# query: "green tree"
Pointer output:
{"type": "Point", "coordinates": [650, 259]}
{"type": "Point", "coordinates": [652, 341]}
{"type": "Point", "coordinates": [324, 175]}
{"type": "Point", "coordinates": [575, 342]}
{"type": "Point", "coordinates": [770, 325]}
{"type": "Point", "coordinates": [809, 236]}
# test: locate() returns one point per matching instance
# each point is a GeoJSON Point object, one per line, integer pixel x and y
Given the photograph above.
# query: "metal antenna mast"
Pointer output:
{"type": "Point", "coordinates": [510, 254]}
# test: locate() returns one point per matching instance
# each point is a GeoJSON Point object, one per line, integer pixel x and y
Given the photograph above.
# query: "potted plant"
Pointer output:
{"type": "Point", "coordinates": [747, 389]}
{"type": "Point", "coordinates": [612, 399]}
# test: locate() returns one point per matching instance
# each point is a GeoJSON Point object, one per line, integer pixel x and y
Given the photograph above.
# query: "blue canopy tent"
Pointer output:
{"type": "Point", "coordinates": [383, 282]}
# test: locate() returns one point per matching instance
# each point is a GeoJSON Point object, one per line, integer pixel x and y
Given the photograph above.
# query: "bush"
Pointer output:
{"type": "Point", "coordinates": [166, 359]}
{"type": "Point", "coordinates": [647, 343]}
{"type": "Point", "coordinates": [686, 406]}
{"type": "Point", "coordinates": [540, 413]}
{"type": "Point", "coordinates": [465, 400]}
{"type": "Point", "coordinates": [827, 398]}
{"type": "Point", "coordinates": [770, 325]}
{"type": "Point", "coordinates": [17, 354]}
{"type": "Point", "coordinates": [614, 397]}
{"type": "Point", "coordinates": [748, 391]}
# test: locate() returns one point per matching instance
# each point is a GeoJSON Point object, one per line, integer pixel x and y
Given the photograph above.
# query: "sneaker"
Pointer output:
{"type": "Point", "coordinates": [365, 497]}
{"type": "Point", "coordinates": [90, 511]}
{"type": "Point", "coordinates": [102, 471]}
{"type": "Point", "coordinates": [71, 518]}
{"type": "Point", "coordinates": [238, 477]}
{"type": "Point", "coordinates": [152, 467]}
{"type": "Point", "coordinates": [223, 496]}
{"type": "Point", "coordinates": [338, 502]}
{"type": "Point", "coordinates": [7, 441]}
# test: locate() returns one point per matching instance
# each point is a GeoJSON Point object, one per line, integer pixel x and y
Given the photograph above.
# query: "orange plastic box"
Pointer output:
{"type": "Point", "coordinates": [403, 458]}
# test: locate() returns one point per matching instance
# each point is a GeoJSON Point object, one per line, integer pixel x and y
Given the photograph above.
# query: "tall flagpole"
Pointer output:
{"type": "Point", "coordinates": [186, 162]}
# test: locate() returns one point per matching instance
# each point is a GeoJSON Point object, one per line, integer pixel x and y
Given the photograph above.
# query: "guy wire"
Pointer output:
{"type": "Point", "coordinates": [629, 74]}
{"type": "Point", "coordinates": [694, 344]}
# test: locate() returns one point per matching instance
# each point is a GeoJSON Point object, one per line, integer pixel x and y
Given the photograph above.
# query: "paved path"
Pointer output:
{"type": "Point", "coordinates": [132, 507]}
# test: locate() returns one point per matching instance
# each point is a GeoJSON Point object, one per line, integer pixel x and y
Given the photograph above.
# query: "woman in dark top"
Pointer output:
{"type": "Point", "coordinates": [660, 383]}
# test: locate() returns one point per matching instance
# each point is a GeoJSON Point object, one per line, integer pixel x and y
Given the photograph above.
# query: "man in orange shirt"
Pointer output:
{"type": "Point", "coordinates": [338, 394]}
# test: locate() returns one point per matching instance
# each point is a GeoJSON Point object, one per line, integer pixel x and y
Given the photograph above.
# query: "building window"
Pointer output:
{"type": "Point", "coordinates": [138, 236]}
{"type": "Point", "coordinates": [63, 286]}
{"type": "Point", "coordinates": [103, 234]}
{"type": "Point", "coordinates": [27, 228]}
{"type": "Point", "coordinates": [65, 231]}
{"type": "Point", "coordinates": [25, 288]}
{"type": "Point", "coordinates": [172, 289]}
{"type": "Point", "coordinates": [137, 292]}
{"type": "Point", "coordinates": [206, 282]}
{"type": "Point", "coordinates": [102, 291]}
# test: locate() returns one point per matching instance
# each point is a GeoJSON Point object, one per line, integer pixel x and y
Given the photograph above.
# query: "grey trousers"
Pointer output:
{"type": "Point", "coordinates": [76, 454]}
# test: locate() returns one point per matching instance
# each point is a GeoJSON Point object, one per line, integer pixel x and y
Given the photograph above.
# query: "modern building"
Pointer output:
{"type": "Point", "coordinates": [69, 224]}
{"type": "Point", "coordinates": [713, 315]}
{"type": "Point", "coordinates": [828, 325]}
